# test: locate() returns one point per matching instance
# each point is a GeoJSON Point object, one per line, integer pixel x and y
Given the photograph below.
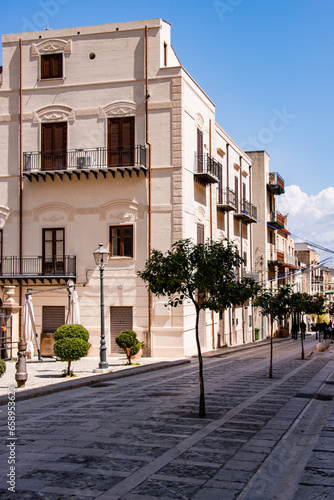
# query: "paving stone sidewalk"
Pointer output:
{"type": "Point", "coordinates": [140, 438]}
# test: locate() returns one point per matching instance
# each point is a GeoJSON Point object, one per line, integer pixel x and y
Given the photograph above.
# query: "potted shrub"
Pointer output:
{"type": "Point", "coordinates": [2, 367]}
{"type": "Point", "coordinates": [127, 340]}
{"type": "Point", "coordinates": [71, 344]}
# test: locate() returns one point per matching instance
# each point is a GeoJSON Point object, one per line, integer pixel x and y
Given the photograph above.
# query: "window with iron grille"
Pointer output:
{"type": "Point", "coordinates": [121, 241]}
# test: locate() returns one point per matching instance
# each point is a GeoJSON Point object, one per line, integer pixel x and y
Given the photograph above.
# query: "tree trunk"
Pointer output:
{"type": "Point", "coordinates": [302, 339]}
{"type": "Point", "coordinates": [68, 368]}
{"type": "Point", "coordinates": [200, 362]}
{"type": "Point", "coordinates": [271, 349]}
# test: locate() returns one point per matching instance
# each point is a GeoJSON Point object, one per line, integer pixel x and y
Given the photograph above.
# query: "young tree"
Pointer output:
{"type": "Point", "coordinates": [274, 304]}
{"type": "Point", "coordinates": [205, 275]}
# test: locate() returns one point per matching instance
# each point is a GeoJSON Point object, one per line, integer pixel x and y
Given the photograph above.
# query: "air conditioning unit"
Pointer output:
{"type": "Point", "coordinates": [85, 161]}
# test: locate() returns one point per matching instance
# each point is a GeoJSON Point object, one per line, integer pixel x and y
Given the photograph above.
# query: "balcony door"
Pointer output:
{"type": "Point", "coordinates": [54, 146]}
{"type": "Point", "coordinates": [121, 141]}
{"type": "Point", "coordinates": [53, 251]}
{"type": "Point", "coordinates": [199, 151]}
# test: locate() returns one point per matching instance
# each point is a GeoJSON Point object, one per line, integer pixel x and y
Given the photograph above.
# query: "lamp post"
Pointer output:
{"type": "Point", "coordinates": [101, 257]}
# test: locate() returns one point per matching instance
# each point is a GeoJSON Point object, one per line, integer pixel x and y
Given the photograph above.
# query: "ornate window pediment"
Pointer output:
{"type": "Point", "coordinates": [51, 46]}
{"type": "Point", "coordinates": [54, 113]}
{"type": "Point", "coordinates": [118, 108]}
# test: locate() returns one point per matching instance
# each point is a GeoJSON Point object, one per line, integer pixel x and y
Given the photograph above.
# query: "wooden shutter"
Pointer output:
{"type": "Point", "coordinates": [236, 188]}
{"type": "Point", "coordinates": [54, 146]}
{"type": "Point", "coordinates": [51, 66]}
{"type": "Point", "coordinates": [200, 234]}
{"type": "Point", "coordinates": [199, 151]}
{"type": "Point", "coordinates": [220, 183]}
{"type": "Point", "coordinates": [120, 319]}
{"type": "Point", "coordinates": [52, 318]}
{"type": "Point", "coordinates": [121, 134]}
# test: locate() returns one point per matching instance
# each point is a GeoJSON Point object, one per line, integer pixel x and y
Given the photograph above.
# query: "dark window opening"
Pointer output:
{"type": "Point", "coordinates": [121, 241]}
{"type": "Point", "coordinates": [51, 66]}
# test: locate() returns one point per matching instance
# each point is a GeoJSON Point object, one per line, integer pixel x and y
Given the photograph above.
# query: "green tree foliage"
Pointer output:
{"type": "Point", "coordinates": [127, 340]}
{"type": "Point", "coordinates": [275, 305]}
{"type": "Point", "coordinates": [71, 331]}
{"type": "Point", "coordinates": [2, 367]}
{"type": "Point", "coordinates": [71, 344]}
{"type": "Point", "coordinates": [205, 274]}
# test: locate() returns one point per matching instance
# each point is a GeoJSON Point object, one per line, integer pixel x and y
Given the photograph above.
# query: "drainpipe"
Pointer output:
{"type": "Point", "coordinates": [211, 236]}
{"type": "Point", "coordinates": [241, 252]}
{"type": "Point", "coordinates": [20, 191]}
{"type": "Point", "coordinates": [147, 96]}
{"type": "Point", "coordinates": [21, 366]}
{"type": "Point", "coordinates": [228, 227]}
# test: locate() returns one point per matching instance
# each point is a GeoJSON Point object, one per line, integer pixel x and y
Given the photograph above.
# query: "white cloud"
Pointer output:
{"type": "Point", "coordinates": [310, 217]}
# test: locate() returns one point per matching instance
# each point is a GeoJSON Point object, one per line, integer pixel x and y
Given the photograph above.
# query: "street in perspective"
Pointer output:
{"type": "Point", "coordinates": [140, 436]}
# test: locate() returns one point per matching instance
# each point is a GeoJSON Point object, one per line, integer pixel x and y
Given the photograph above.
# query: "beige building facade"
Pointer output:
{"type": "Point", "coordinates": [105, 138]}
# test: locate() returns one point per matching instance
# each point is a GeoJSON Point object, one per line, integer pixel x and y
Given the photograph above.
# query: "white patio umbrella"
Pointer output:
{"type": "Point", "coordinates": [73, 317]}
{"type": "Point", "coordinates": [28, 325]}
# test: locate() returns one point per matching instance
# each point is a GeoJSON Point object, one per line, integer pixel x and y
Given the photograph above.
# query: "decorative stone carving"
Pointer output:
{"type": "Point", "coordinates": [118, 108]}
{"type": "Point", "coordinates": [200, 215]}
{"type": "Point", "coordinates": [51, 46]}
{"type": "Point", "coordinates": [199, 121]}
{"type": "Point", "coordinates": [121, 210]}
{"type": "Point", "coordinates": [52, 212]}
{"type": "Point", "coordinates": [55, 112]}
{"type": "Point", "coordinates": [4, 213]}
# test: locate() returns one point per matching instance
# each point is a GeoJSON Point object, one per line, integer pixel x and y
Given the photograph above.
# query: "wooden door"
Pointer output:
{"type": "Point", "coordinates": [53, 251]}
{"type": "Point", "coordinates": [121, 137]}
{"type": "Point", "coordinates": [54, 146]}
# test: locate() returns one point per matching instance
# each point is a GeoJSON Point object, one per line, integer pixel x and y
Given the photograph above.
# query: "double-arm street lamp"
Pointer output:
{"type": "Point", "coordinates": [101, 256]}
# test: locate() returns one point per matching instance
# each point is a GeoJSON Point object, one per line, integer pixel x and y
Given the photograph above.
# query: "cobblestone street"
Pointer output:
{"type": "Point", "coordinates": [141, 438]}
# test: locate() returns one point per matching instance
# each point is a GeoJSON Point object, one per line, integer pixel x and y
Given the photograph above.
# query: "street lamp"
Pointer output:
{"type": "Point", "coordinates": [101, 256]}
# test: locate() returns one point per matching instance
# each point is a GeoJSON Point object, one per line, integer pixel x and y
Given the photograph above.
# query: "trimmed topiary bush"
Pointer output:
{"type": "Point", "coordinates": [70, 349]}
{"type": "Point", "coordinates": [2, 367]}
{"type": "Point", "coordinates": [71, 331]}
{"type": "Point", "coordinates": [71, 344]}
{"type": "Point", "coordinates": [127, 340]}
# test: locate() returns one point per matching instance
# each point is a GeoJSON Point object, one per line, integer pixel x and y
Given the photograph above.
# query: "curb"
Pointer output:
{"type": "Point", "coordinates": [87, 381]}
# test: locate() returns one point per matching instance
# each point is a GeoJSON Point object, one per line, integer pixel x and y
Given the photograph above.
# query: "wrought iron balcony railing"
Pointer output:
{"type": "Point", "coordinates": [69, 159]}
{"type": "Point", "coordinates": [38, 267]}
{"type": "Point", "coordinates": [206, 169]}
{"type": "Point", "coordinates": [246, 211]}
{"type": "Point", "coordinates": [226, 200]}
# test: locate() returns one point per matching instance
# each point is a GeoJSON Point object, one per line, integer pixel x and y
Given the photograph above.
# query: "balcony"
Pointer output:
{"type": "Point", "coordinates": [83, 162]}
{"type": "Point", "coordinates": [226, 200]}
{"type": "Point", "coordinates": [206, 169]}
{"type": "Point", "coordinates": [282, 259]}
{"type": "Point", "coordinates": [276, 220]}
{"type": "Point", "coordinates": [246, 212]}
{"type": "Point", "coordinates": [33, 269]}
{"type": "Point", "coordinates": [276, 183]}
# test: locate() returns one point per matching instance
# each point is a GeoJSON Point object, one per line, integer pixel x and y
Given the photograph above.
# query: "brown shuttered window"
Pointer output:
{"type": "Point", "coordinates": [121, 141]}
{"type": "Point", "coordinates": [200, 234]}
{"type": "Point", "coordinates": [236, 189]}
{"type": "Point", "coordinates": [52, 318]}
{"type": "Point", "coordinates": [121, 241]}
{"type": "Point", "coordinates": [199, 151]}
{"type": "Point", "coordinates": [54, 146]}
{"type": "Point", "coordinates": [51, 66]}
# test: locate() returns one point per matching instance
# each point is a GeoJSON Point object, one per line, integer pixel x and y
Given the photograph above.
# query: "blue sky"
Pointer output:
{"type": "Point", "coordinates": [266, 64]}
